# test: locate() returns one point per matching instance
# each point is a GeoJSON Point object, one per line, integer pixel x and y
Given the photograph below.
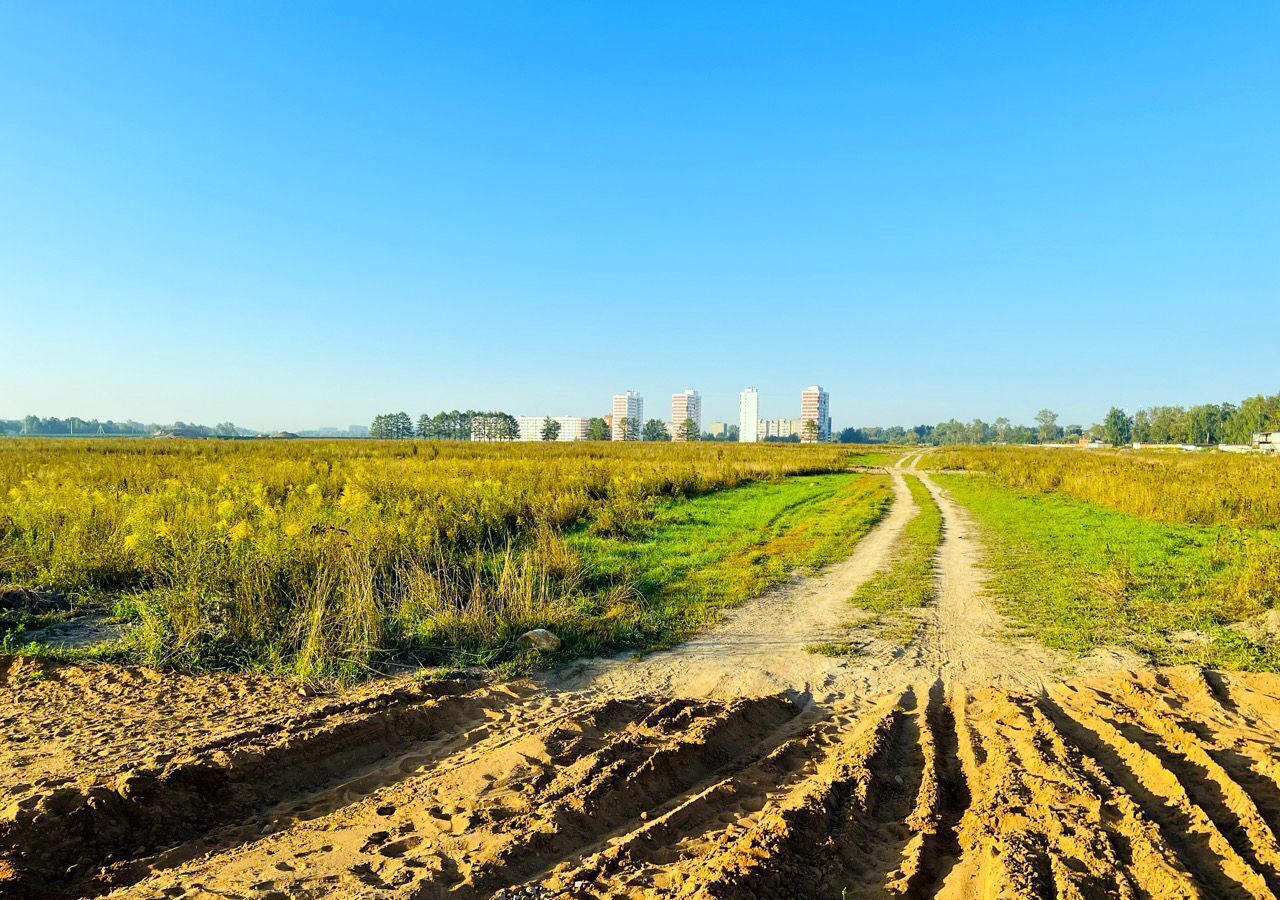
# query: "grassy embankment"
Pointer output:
{"type": "Point", "coordinates": [908, 583]}
{"type": "Point", "coordinates": [325, 559]}
{"type": "Point", "coordinates": [1163, 555]}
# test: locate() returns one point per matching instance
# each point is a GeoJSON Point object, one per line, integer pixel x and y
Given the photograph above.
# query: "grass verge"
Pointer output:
{"type": "Point", "coordinates": [712, 552]}
{"type": "Point", "coordinates": [1078, 576]}
{"type": "Point", "coordinates": [908, 582]}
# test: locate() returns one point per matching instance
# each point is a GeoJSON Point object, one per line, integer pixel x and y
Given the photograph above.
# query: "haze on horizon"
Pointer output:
{"type": "Point", "coordinates": [292, 216]}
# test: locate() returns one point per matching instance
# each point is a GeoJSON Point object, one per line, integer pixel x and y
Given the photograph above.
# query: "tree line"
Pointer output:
{"type": "Point", "coordinates": [74, 425]}
{"type": "Point", "coordinates": [466, 425]}
{"type": "Point", "coordinates": [1204, 425]}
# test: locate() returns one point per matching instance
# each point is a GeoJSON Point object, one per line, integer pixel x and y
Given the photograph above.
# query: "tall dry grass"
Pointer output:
{"type": "Point", "coordinates": [1236, 496]}
{"type": "Point", "coordinates": [1187, 488]}
{"type": "Point", "coordinates": [321, 558]}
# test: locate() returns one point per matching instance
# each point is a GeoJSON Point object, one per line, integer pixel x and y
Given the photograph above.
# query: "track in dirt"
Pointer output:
{"type": "Point", "coordinates": [1148, 784]}
{"type": "Point", "coordinates": [952, 767]}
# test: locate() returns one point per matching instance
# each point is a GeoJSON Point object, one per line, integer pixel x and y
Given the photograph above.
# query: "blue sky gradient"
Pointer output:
{"type": "Point", "coordinates": [302, 214]}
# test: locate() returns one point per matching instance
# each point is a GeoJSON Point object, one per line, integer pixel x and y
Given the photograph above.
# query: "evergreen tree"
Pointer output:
{"type": "Point", "coordinates": [550, 429]}
{"type": "Point", "coordinates": [654, 430]}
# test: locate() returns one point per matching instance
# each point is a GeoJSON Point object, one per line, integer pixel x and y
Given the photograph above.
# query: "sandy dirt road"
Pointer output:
{"type": "Point", "coordinates": [738, 765]}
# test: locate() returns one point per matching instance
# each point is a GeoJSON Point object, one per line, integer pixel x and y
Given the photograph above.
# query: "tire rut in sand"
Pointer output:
{"type": "Point", "coordinates": [1141, 784]}
{"type": "Point", "coordinates": [868, 821]}
{"type": "Point", "coordinates": [501, 812]}
{"type": "Point", "coordinates": [76, 841]}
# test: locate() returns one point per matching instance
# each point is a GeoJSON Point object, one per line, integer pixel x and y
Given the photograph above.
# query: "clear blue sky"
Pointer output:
{"type": "Point", "coordinates": [298, 214]}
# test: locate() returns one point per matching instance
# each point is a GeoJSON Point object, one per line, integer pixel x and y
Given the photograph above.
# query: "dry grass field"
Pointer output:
{"type": "Point", "coordinates": [322, 559]}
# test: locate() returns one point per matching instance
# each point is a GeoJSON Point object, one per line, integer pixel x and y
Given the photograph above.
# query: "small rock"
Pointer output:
{"type": "Point", "coordinates": [539, 639]}
{"type": "Point", "coordinates": [135, 785]}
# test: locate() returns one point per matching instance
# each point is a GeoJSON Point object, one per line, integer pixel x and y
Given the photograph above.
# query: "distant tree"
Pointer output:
{"type": "Point", "coordinates": [1094, 432]}
{"type": "Point", "coordinates": [550, 429]}
{"type": "Point", "coordinates": [378, 427]}
{"type": "Point", "coordinates": [1072, 432]}
{"type": "Point", "coordinates": [1168, 424]}
{"type": "Point", "coordinates": [225, 429]}
{"type": "Point", "coordinates": [654, 430]}
{"type": "Point", "coordinates": [1048, 422]}
{"type": "Point", "coordinates": [439, 429]}
{"type": "Point", "coordinates": [631, 429]}
{"type": "Point", "coordinates": [852, 436]}
{"type": "Point", "coordinates": [1117, 427]}
{"type": "Point", "coordinates": [597, 429]}
{"type": "Point", "coordinates": [401, 426]}
{"type": "Point", "coordinates": [810, 429]}
{"type": "Point", "coordinates": [508, 427]}
{"type": "Point", "coordinates": [1203, 424]}
{"type": "Point", "coordinates": [1002, 427]}
{"type": "Point", "coordinates": [1141, 430]}
{"type": "Point", "coordinates": [426, 427]}
{"type": "Point", "coordinates": [689, 429]}
{"type": "Point", "coordinates": [1254, 414]}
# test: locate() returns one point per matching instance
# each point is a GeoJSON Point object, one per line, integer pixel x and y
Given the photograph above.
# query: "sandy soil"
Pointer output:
{"type": "Point", "coordinates": [736, 766]}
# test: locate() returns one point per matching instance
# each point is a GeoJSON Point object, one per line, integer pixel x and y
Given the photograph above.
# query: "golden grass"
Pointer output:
{"type": "Point", "coordinates": [321, 557]}
{"type": "Point", "coordinates": [1187, 488]}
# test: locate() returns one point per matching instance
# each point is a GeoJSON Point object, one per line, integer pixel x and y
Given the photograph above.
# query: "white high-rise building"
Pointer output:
{"type": "Point", "coordinates": [627, 407]}
{"type": "Point", "coordinates": [685, 405]}
{"type": "Point", "coordinates": [572, 428]}
{"type": "Point", "coordinates": [815, 406]}
{"type": "Point", "coordinates": [749, 416]}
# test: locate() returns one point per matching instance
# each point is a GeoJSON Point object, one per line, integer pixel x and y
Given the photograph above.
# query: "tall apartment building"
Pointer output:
{"type": "Point", "coordinates": [685, 405]}
{"type": "Point", "coordinates": [815, 406]}
{"type": "Point", "coordinates": [572, 428]}
{"type": "Point", "coordinates": [749, 416]}
{"type": "Point", "coordinates": [627, 407]}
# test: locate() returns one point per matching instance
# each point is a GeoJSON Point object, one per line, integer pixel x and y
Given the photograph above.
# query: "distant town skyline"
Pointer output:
{"type": "Point", "coordinates": [233, 212]}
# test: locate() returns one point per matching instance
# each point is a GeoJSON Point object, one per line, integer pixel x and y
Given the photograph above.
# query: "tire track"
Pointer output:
{"type": "Point", "coordinates": [1148, 784]}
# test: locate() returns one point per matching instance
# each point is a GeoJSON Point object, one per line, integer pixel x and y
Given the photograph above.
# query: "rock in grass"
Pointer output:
{"type": "Point", "coordinates": [539, 639]}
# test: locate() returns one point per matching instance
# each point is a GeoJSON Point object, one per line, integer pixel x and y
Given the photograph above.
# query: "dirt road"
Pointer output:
{"type": "Point", "coordinates": [738, 765]}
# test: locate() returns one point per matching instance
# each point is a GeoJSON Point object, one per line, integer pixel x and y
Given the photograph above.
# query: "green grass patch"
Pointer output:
{"type": "Point", "coordinates": [701, 556]}
{"type": "Point", "coordinates": [1077, 576]}
{"type": "Point", "coordinates": [834, 649]}
{"type": "Point", "coordinates": [871, 458]}
{"type": "Point", "coordinates": [909, 581]}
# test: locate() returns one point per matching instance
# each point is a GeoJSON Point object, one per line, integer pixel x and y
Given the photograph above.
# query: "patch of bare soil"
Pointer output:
{"type": "Point", "coordinates": [1132, 784]}
{"type": "Point", "coordinates": [738, 766]}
